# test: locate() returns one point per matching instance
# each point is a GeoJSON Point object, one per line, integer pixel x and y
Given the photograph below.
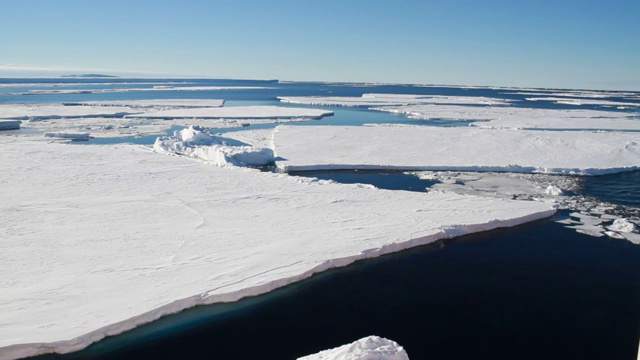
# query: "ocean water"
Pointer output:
{"type": "Point", "coordinates": [537, 291]}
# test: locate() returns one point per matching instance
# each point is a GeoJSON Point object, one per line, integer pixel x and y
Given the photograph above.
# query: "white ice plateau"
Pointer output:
{"type": "Point", "coordinates": [82, 223]}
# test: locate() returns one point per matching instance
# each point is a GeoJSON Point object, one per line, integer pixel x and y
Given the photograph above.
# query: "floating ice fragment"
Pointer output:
{"type": "Point", "coordinates": [369, 348]}
{"type": "Point", "coordinates": [553, 190]}
{"type": "Point", "coordinates": [622, 225]}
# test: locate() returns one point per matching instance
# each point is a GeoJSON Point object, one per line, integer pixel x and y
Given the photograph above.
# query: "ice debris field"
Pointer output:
{"type": "Point", "coordinates": [166, 223]}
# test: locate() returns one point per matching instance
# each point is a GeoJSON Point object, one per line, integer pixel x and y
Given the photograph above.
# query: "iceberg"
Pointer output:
{"type": "Point", "coordinates": [368, 348]}
{"type": "Point", "coordinates": [523, 118]}
{"type": "Point", "coordinates": [83, 224]}
{"type": "Point", "coordinates": [305, 148]}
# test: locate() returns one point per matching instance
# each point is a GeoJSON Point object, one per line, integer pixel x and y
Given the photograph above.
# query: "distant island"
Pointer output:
{"type": "Point", "coordinates": [89, 76]}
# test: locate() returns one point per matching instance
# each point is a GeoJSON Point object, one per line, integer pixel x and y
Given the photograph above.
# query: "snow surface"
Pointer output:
{"type": "Point", "coordinates": [523, 118]}
{"type": "Point", "coordinates": [84, 223]}
{"type": "Point", "coordinates": [238, 112]}
{"type": "Point", "coordinates": [368, 348]}
{"type": "Point", "coordinates": [304, 148]}
{"type": "Point", "coordinates": [9, 124]}
{"type": "Point", "coordinates": [367, 100]}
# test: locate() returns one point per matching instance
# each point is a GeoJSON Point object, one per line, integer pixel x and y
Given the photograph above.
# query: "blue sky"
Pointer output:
{"type": "Point", "coordinates": [539, 43]}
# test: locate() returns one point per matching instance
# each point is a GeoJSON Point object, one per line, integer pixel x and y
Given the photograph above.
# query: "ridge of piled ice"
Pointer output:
{"type": "Point", "coordinates": [305, 148]}
{"type": "Point", "coordinates": [367, 100]}
{"type": "Point", "coordinates": [196, 142]}
{"type": "Point", "coordinates": [86, 222]}
{"type": "Point", "coordinates": [368, 348]}
{"type": "Point", "coordinates": [522, 118]}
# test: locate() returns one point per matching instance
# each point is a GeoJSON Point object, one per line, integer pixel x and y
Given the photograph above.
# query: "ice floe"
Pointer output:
{"type": "Point", "coordinates": [34, 112]}
{"type": "Point", "coordinates": [578, 102]}
{"type": "Point", "coordinates": [82, 224]}
{"type": "Point", "coordinates": [237, 112]}
{"type": "Point", "coordinates": [590, 216]}
{"type": "Point", "coordinates": [368, 100]}
{"type": "Point", "coordinates": [523, 118]}
{"type": "Point", "coordinates": [304, 148]}
{"type": "Point", "coordinates": [197, 142]}
{"type": "Point", "coordinates": [9, 124]}
{"type": "Point", "coordinates": [161, 103]}
{"type": "Point", "coordinates": [368, 348]}
{"type": "Point", "coordinates": [68, 135]}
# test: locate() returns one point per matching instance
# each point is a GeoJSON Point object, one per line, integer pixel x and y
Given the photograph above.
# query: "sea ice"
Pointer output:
{"type": "Point", "coordinates": [196, 142]}
{"type": "Point", "coordinates": [59, 111]}
{"type": "Point", "coordinates": [160, 103]}
{"type": "Point", "coordinates": [68, 135]}
{"type": "Point", "coordinates": [83, 226]}
{"type": "Point", "coordinates": [367, 100]}
{"type": "Point", "coordinates": [522, 118]}
{"type": "Point", "coordinates": [304, 148]}
{"type": "Point", "coordinates": [238, 112]}
{"type": "Point", "coordinates": [368, 348]}
{"type": "Point", "coordinates": [9, 124]}
{"type": "Point", "coordinates": [577, 102]}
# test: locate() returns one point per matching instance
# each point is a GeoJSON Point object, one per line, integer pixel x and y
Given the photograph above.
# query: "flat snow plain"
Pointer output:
{"type": "Point", "coordinates": [83, 224]}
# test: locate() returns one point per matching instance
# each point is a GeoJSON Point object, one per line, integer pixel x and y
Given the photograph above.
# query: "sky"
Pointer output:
{"type": "Point", "coordinates": [528, 43]}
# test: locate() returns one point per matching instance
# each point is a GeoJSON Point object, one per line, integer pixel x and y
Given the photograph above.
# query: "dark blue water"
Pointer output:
{"type": "Point", "coordinates": [539, 291]}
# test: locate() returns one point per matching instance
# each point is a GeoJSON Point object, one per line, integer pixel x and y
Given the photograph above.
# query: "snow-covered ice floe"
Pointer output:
{"type": "Point", "coordinates": [35, 112]}
{"type": "Point", "coordinates": [9, 124]}
{"type": "Point", "coordinates": [305, 148]}
{"type": "Point", "coordinates": [68, 135]}
{"type": "Point", "coordinates": [578, 102]}
{"type": "Point", "coordinates": [237, 112]}
{"type": "Point", "coordinates": [197, 142]}
{"type": "Point", "coordinates": [84, 225]}
{"type": "Point", "coordinates": [160, 103]}
{"type": "Point", "coordinates": [368, 348]}
{"type": "Point", "coordinates": [367, 100]}
{"type": "Point", "coordinates": [523, 118]}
